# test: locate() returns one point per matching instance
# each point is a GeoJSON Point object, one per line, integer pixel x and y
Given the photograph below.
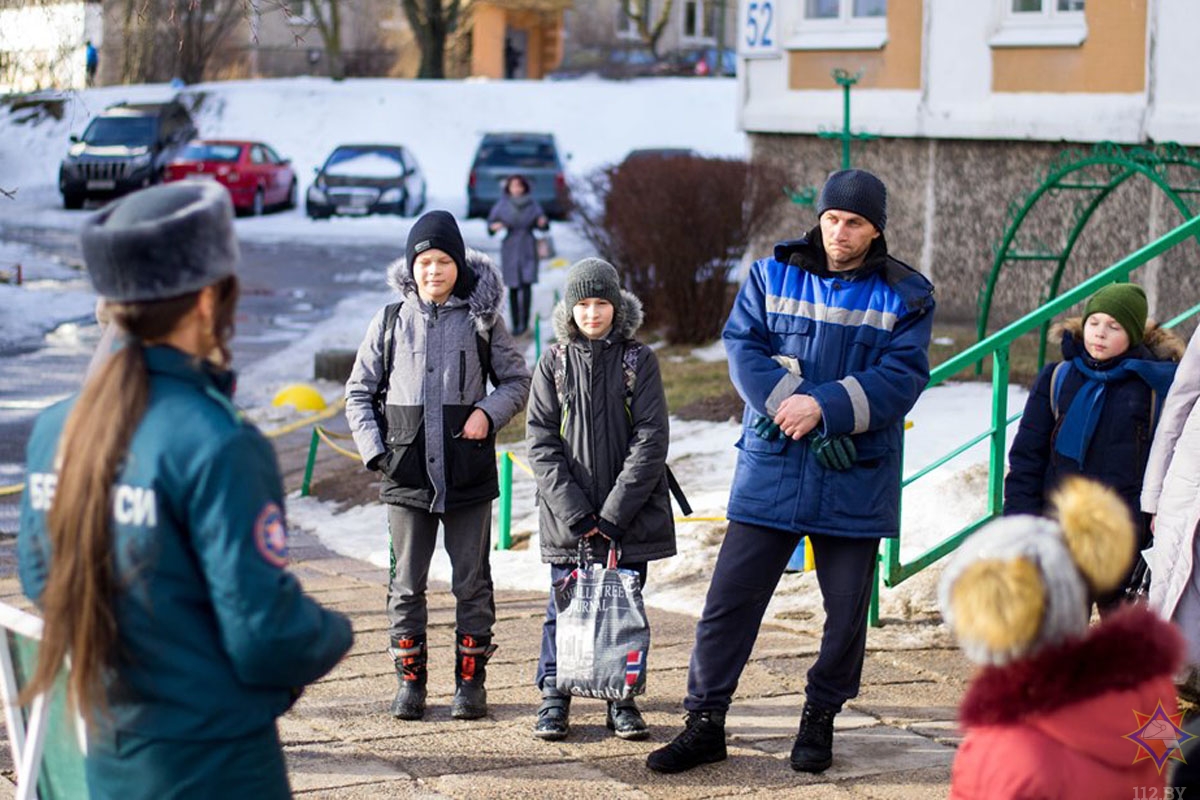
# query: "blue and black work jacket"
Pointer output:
{"type": "Point", "coordinates": [215, 637]}
{"type": "Point", "coordinates": [857, 342]}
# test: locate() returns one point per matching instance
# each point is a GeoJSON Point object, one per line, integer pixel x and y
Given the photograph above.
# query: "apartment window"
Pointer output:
{"type": "Point", "coordinates": [840, 25]}
{"type": "Point", "coordinates": [626, 27]}
{"type": "Point", "coordinates": [1041, 23]}
{"type": "Point", "coordinates": [299, 12]}
{"type": "Point", "coordinates": [699, 20]}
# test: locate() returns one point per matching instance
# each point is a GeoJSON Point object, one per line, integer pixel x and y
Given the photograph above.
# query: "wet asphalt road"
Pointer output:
{"type": "Point", "coordinates": [286, 288]}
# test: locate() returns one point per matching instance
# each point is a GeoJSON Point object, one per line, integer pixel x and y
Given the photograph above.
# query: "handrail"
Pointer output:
{"type": "Point", "coordinates": [997, 347]}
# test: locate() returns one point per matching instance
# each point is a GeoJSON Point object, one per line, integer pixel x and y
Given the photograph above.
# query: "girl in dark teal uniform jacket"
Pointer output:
{"type": "Point", "coordinates": [152, 533]}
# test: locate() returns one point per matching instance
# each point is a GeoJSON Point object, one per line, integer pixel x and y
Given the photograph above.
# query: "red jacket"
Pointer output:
{"type": "Point", "coordinates": [1052, 726]}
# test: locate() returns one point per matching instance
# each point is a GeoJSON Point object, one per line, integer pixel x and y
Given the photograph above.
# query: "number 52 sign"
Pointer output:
{"type": "Point", "coordinates": [759, 29]}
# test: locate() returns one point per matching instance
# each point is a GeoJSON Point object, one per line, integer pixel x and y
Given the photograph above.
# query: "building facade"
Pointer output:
{"type": "Point", "coordinates": [43, 44]}
{"type": "Point", "coordinates": [976, 103]}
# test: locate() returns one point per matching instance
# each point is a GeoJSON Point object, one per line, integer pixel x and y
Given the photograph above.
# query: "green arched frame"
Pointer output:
{"type": "Point", "coordinates": [1093, 176]}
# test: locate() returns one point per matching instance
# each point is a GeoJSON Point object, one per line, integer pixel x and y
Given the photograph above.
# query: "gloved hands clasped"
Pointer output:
{"type": "Point", "coordinates": [832, 452]}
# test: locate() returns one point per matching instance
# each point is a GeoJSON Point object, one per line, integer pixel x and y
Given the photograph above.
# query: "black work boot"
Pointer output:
{"type": "Point", "coordinates": [553, 715]}
{"type": "Point", "coordinates": [701, 742]}
{"type": "Point", "coordinates": [409, 655]}
{"type": "Point", "coordinates": [625, 720]}
{"type": "Point", "coordinates": [471, 657]}
{"type": "Point", "coordinates": [813, 749]}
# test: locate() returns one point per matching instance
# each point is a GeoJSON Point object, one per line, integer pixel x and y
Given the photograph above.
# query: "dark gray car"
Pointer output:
{"type": "Point", "coordinates": [126, 147]}
{"type": "Point", "coordinates": [533, 155]}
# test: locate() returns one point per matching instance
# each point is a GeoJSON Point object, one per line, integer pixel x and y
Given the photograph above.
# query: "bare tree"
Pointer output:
{"type": "Point", "coordinates": [327, 19]}
{"type": "Point", "coordinates": [432, 21]}
{"type": "Point", "coordinates": [201, 28]}
{"type": "Point", "coordinates": [638, 12]}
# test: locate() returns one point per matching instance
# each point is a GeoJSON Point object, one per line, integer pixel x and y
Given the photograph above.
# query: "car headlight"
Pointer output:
{"type": "Point", "coordinates": [391, 196]}
{"type": "Point", "coordinates": [315, 195]}
{"type": "Point", "coordinates": [140, 162]}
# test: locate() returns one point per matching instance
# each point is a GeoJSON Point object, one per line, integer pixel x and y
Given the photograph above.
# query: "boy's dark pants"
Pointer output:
{"type": "Point", "coordinates": [548, 659]}
{"type": "Point", "coordinates": [467, 536]}
{"type": "Point", "coordinates": [751, 561]}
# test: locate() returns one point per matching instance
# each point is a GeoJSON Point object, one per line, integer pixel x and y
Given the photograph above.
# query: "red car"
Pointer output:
{"type": "Point", "coordinates": [256, 177]}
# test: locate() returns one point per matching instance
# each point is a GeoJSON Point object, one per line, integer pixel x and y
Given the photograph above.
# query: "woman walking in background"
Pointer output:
{"type": "Point", "coordinates": [518, 214]}
{"type": "Point", "coordinates": [153, 535]}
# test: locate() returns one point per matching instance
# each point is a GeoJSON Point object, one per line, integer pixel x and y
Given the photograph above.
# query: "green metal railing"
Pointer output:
{"type": "Point", "coordinates": [997, 348]}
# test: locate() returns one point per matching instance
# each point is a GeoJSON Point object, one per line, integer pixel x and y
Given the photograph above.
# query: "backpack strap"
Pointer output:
{"type": "Point", "coordinates": [1056, 383]}
{"type": "Point", "coordinates": [629, 362]}
{"type": "Point", "coordinates": [390, 314]}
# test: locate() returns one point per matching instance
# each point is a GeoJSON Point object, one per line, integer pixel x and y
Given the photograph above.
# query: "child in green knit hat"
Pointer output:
{"type": "Point", "coordinates": [1094, 413]}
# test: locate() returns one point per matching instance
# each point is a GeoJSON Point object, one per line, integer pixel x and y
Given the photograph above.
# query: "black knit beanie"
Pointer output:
{"type": "Point", "coordinates": [161, 242]}
{"type": "Point", "coordinates": [858, 191]}
{"type": "Point", "coordinates": [436, 230]}
{"type": "Point", "coordinates": [593, 277]}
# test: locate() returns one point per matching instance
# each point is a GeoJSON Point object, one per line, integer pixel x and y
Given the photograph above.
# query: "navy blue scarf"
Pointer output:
{"type": "Point", "coordinates": [1080, 421]}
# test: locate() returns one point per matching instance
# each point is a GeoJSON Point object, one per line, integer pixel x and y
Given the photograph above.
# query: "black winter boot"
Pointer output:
{"type": "Point", "coordinates": [702, 741]}
{"type": "Point", "coordinates": [553, 715]}
{"type": "Point", "coordinates": [409, 656]}
{"type": "Point", "coordinates": [625, 720]}
{"type": "Point", "coordinates": [470, 696]}
{"type": "Point", "coordinates": [813, 749]}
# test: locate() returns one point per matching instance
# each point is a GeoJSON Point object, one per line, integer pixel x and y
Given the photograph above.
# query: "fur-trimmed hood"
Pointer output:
{"type": "Point", "coordinates": [626, 319]}
{"type": "Point", "coordinates": [1163, 344]}
{"type": "Point", "coordinates": [485, 295]}
{"type": "Point", "coordinates": [1125, 651]}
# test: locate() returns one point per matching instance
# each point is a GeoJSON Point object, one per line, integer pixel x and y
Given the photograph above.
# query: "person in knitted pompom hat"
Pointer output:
{"type": "Point", "coordinates": [1095, 412]}
{"type": "Point", "coordinates": [1048, 714]}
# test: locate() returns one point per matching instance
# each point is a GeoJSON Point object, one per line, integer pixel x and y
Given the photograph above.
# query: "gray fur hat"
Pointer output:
{"type": "Point", "coordinates": [593, 277]}
{"type": "Point", "coordinates": [161, 242]}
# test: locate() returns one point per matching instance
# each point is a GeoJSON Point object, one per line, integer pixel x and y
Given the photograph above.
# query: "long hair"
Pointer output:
{"type": "Point", "coordinates": [79, 599]}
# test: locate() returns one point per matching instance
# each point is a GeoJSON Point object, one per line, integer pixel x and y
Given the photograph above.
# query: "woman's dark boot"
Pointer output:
{"type": "Point", "coordinates": [554, 715]}
{"type": "Point", "coordinates": [625, 720]}
{"type": "Point", "coordinates": [409, 655]}
{"type": "Point", "coordinates": [471, 657]}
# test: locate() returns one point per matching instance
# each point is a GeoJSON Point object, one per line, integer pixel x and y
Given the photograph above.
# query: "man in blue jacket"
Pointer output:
{"type": "Point", "coordinates": [828, 346]}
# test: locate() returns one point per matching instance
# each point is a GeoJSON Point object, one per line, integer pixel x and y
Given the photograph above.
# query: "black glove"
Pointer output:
{"type": "Point", "coordinates": [766, 429]}
{"type": "Point", "coordinates": [610, 531]}
{"type": "Point", "coordinates": [835, 453]}
{"type": "Point", "coordinates": [584, 525]}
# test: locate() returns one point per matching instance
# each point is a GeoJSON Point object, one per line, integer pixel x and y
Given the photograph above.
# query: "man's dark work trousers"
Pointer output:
{"type": "Point", "coordinates": [748, 568]}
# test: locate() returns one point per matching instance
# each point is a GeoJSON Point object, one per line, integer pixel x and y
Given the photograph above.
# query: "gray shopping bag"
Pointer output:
{"type": "Point", "coordinates": [603, 636]}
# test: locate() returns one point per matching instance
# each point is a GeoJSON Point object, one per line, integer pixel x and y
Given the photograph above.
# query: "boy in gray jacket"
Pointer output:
{"type": "Point", "coordinates": [421, 415]}
{"type": "Point", "coordinates": [598, 433]}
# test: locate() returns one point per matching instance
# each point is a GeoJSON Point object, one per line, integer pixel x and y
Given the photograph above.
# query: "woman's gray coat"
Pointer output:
{"type": "Point", "coordinates": [435, 383]}
{"type": "Point", "coordinates": [518, 253]}
{"type": "Point", "coordinates": [601, 460]}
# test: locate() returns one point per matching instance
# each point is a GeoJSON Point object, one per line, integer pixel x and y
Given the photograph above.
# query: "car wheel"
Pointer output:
{"type": "Point", "coordinates": [74, 202]}
{"type": "Point", "coordinates": [291, 198]}
{"type": "Point", "coordinates": [257, 209]}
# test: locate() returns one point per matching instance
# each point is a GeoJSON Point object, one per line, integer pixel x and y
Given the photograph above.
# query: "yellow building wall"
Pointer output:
{"type": "Point", "coordinates": [492, 23]}
{"type": "Point", "coordinates": [487, 41]}
{"type": "Point", "coordinates": [1111, 59]}
{"type": "Point", "coordinates": [897, 65]}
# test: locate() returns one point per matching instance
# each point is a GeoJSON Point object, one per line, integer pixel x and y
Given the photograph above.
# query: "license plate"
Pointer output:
{"type": "Point", "coordinates": [352, 210]}
{"type": "Point", "coordinates": [99, 185]}
{"type": "Point", "coordinates": [204, 176]}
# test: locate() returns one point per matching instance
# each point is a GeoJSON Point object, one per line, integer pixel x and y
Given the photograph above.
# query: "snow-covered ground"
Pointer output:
{"type": "Point", "coordinates": [596, 122]}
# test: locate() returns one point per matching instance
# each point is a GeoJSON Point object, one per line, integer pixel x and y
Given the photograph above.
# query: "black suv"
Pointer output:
{"type": "Point", "coordinates": [124, 148]}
